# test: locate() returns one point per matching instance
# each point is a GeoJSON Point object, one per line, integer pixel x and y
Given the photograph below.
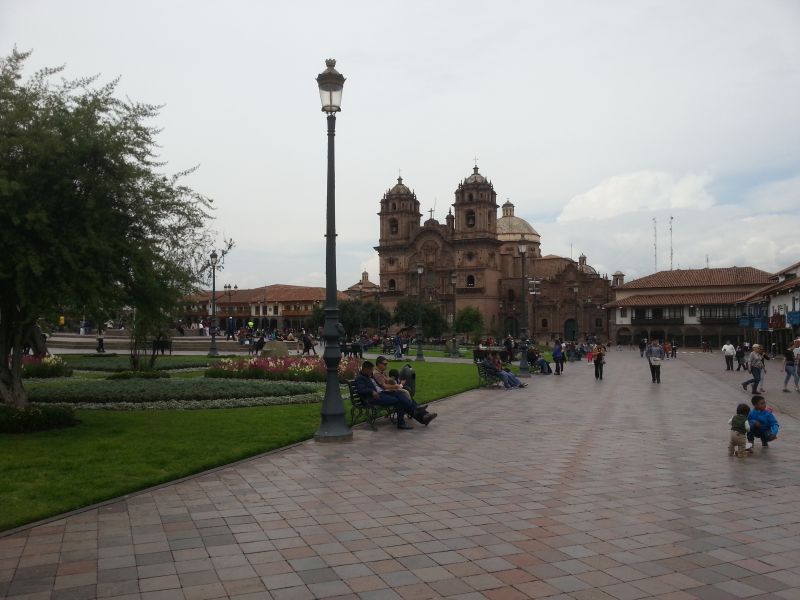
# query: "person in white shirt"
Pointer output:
{"type": "Point", "coordinates": [728, 351]}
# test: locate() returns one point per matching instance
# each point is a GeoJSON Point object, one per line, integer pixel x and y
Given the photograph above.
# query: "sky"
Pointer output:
{"type": "Point", "coordinates": [603, 121]}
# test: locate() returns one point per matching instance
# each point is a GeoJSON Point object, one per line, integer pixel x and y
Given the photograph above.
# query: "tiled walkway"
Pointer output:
{"type": "Point", "coordinates": [569, 489]}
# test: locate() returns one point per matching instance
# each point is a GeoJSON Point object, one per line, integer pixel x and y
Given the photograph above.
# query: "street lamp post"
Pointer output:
{"type": "Point", "coordinates": [420, 271]}
{"type": "Point", "coordinates": [454, 346]}
{"type": "Point", "coordinates": [524, 370]}
{"type": "Point", "coordinates": [333, 424]}
{"type": "Point", "coordinates": [212, 350]}
{"type": "Point", "coordinates": [229, 290]}
{"type": "Point", "coordinates": [575, 331]}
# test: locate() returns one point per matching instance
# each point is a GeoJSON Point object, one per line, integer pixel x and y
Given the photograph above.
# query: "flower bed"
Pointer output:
{"type": "Point", "coordinates": [49, 366]}
{"type": "Point", "coordinates": [289, 368]}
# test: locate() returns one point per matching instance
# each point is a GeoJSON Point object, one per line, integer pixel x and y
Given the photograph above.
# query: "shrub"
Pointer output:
{"type": "Point", "coordinates": [35, 418]}
{"type": "Point", "coordinates": [49, 366]}
{"type": "Point", "coordinates": [122, 362]}
{"type": "Point", "coordinates": [139, 375]}
{"type": "Point", "coordinates": [290, 368]}
{"type": "Point", "coordinates": [78, 391]}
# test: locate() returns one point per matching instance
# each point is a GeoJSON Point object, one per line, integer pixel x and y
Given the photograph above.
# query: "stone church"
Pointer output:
{"type": "Point", "coordinates": [475, 259]}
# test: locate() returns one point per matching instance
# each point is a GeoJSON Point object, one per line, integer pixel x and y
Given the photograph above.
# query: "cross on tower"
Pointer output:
{"type": "Point", "coordinates": [476, 161]}
{"type": "Point", "coordinates": [431, 211]}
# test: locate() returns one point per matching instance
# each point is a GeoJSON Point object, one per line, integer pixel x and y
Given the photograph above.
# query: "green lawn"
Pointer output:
{"type": "Point", "coordinates": [114, 453]}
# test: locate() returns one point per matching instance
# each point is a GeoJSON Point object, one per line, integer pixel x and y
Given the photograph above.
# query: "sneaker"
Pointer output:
{"type": "Point", "coordinates": [786, 390]}
{"type": "Point", "coordinates": [404, 426]}
{"type": "Point", "coordinates": [744, 387]}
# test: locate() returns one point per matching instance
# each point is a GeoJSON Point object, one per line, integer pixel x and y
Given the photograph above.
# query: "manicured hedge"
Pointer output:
{"type": "Point", "coordinates": [35, 418]}
{"type": "Point", "coordinates": [145, 390]}
{"type": "Point", "coordinates": [139, 375]}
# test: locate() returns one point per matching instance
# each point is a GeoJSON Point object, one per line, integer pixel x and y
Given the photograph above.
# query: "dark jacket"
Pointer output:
{"type": "Point", "coordinates": [365, 386]}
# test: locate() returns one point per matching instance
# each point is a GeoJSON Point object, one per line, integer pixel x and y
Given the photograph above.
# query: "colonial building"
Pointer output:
{"type": "Point", "coordinates": [685, 305]}
{"type": "Point", "coordinates": [270, 307]}
{"type": "Point", "coordinates": [772, 313]}
{"type": "Point", "coordinates": [476, 259]}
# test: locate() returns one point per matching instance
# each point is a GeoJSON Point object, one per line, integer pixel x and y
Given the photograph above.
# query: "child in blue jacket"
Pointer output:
{"type": "Point", "coordinates": [763, 424]}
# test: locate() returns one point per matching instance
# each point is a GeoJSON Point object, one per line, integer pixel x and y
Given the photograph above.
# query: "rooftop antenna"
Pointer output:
{"type": "Point", "coordinates": [655, 244]}
{"type": "Point", "coordinates": [476, 161]}
{"type": "Point", "coordinates": [570, 251]}
{"type": "Point", "coordinates": [670, 243]}
{"type": "Point", "coordinates": [706, 261]}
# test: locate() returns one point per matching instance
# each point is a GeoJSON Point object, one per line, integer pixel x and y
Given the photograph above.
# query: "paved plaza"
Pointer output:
{"type": "Point", "coordinates": [571, 488]}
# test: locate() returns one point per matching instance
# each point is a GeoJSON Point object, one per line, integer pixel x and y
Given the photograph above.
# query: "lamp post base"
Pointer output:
{"type": "Point", "coordinates": [328, 438]}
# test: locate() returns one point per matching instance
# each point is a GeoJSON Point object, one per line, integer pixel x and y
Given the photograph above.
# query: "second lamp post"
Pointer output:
{"type": "Point", "coordinates": [524, 370]}
{"type": "Point", "coordinates": [420, 356]}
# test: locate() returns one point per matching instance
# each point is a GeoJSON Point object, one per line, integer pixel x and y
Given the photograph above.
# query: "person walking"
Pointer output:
{"type": "Point", "coordinates": [655, 355]}
{"type": "Point", "coordinates": [756, 363]}
{"type": "Point", "coordinates": [642, 346]}
{"type": "Point", "coordinates": [729, 352]}
{"type": "Point", "coordinates": [740, 364]}
{"type": "Point", "coordinates": [558, 357]}
{"type": "Point", "coordinates": [790, 368]}
{"type": "Point", "coordinates": [599, 361]}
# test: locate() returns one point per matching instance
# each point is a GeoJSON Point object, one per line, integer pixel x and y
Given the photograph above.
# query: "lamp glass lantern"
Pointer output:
{"type": "Point", "coordinates": [331, 84]}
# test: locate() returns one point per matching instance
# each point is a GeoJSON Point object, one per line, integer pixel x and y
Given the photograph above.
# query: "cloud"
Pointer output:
{"type": "Point", "coordinates": [613, 225]}
{"type": "Point", "coordinates": [634, 192]}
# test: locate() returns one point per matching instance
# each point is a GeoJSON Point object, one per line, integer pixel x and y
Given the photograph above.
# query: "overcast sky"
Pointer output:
{"type": "Point", "coordinates": [591, 117]}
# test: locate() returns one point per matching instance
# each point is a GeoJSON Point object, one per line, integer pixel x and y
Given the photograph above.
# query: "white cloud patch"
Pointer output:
{"type": "Point", "coordinates": [634, 192]}
{"type": "Point", "coordinates": [758, 231]}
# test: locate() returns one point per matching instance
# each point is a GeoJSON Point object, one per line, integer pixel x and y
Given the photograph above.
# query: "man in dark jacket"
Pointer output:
{"type": "Point", "coordinates": [369, 390]}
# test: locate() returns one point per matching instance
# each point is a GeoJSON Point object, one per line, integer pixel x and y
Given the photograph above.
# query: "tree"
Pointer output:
{"type": "Point", "coordinates": [407, 311]}
{"type": "Point", "coordinates": [469, 320]}
{"type": "Point", "coordinates": [89, 220]}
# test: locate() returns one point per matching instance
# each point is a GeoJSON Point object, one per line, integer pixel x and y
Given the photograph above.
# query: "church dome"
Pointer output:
{"type": "Point", "coordinates": [514, 229]}
{"type": "Point", "coordinates": [475, 177]}
{"type": "Point", "coordinates": [399, 188]}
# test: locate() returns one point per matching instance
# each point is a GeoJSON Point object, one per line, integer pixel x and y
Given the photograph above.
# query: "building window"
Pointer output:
{"type": "Point", "coordinates": [469, 255]}
{"type": "Point", "coordinates": [623, 312]}
{"type": "Point", "coordinates": [692, 311]}
{"type": "Point", "coordinates": [470, 281]}
{"type": "Point", "coordinates": [275, 309]}
{"type": "Point", "coordinates": [470, 218]}
{"type": "Point", "coordinates": [392, 285]}
{"type": "Point", "coordinates": [511, 295]}
{"type": "Point", "coordinates": [469, 197]}
{"type": "Point", "coordinates": [394, 205]}
{"type": "Point", "coordinates": [598, 323]}
{"type": "Point", "coordinates": [393, 228]}
{"type": "Point", "coordinates": [544, 323]}
{"type": "Point", "coordinates": [390, 261]}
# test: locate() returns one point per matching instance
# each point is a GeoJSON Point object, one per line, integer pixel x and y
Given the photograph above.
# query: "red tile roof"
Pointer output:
{"type": "Point", "coordinates": [772, 289]}
{"type": "Point", "coordinates": [714, 298]}
{"type": "Point", "coordinates": [270, 293]}
{"type": "Point", "coordinates": [700, 278]}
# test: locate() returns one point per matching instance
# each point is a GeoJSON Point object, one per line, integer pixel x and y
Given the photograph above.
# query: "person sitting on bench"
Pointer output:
{"type": "Point", "coordinates": [494, 368]}
{"type": "Point", "coordinates": [370, 391]}
{"type": "Point", "coordinates": [536, 359]}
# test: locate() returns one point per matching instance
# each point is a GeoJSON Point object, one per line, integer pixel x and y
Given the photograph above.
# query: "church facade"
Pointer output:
{"type": "Point", "coordinates": [475, 258]}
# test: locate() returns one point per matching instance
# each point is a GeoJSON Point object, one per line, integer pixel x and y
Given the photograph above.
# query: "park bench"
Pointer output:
{"type": "Point", "coordinates": [160, 346]}
{"type": "Point", "coordinates": [485, 378]}
{"type": "Point", "coordinates": [360, 407]}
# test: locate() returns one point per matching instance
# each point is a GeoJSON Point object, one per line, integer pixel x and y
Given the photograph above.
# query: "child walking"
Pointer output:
{"type": "Point", "coordinates": [740, 427]}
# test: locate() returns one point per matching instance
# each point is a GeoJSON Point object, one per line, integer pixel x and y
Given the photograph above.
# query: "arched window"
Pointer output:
{"type": "Point", "coordinates": [469, 197]}
{"type": "Point", "coordinates": [392, 285]}
{"type": "Point", "coordinates": [394, 205]}
{"type": "Point", "coordinates": [470, 281]}
{"type": "Point", "coordinates": [470, 218]}
{"type": "Point", "coordinates": [511, 295]}
{"type": "Point", "coordinates": [469, 255]}
{"type": "Point", "coordinates": [391, 261]}
{"type": "Point", "coordinates": [544, 323]}
{"type": "Point", "coordinates": [393, 227]}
